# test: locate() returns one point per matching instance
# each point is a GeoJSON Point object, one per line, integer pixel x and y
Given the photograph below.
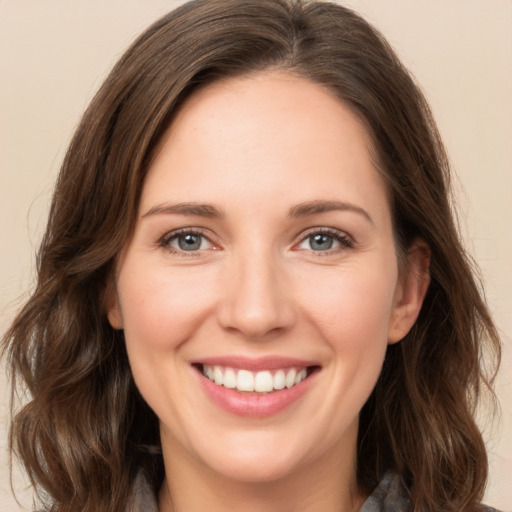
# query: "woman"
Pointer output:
{"type": "Point", "coordinates": [251, 292]}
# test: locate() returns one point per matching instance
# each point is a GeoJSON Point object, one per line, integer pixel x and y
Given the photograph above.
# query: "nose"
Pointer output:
{"type": "Point", "coordinates": [256, 300]}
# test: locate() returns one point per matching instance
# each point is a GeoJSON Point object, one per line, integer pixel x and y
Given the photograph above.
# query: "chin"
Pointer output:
{"type": "Point", "coordinates": [248, 455]}
{"type": "Point", "coordinates": [257, 470]}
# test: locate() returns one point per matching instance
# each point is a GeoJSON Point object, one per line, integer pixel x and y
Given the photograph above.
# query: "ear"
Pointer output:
{"type": "Point", "coordinates": [112, 305]}
{"type": "Point", "coordinates": [411, 289]}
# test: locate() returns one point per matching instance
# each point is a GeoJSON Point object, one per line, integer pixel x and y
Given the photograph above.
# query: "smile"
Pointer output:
{"type": "Point", "coordinates": [256, 388]}
{"type": "Point", "coordinates": [259, 381]}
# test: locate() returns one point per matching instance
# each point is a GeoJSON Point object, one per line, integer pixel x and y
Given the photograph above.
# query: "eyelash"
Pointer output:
{"type": "Point", "coordinates": [165, 241]}
{"type": "Point", "coordinates": [344, 240]}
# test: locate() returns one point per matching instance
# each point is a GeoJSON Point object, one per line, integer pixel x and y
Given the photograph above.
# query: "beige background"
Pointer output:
{"type": "Point", "coordinates": [55, 53]}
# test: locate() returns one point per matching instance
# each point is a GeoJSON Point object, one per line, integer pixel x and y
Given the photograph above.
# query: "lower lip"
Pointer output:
{"type": "Point", "coordinates": [253, 405]}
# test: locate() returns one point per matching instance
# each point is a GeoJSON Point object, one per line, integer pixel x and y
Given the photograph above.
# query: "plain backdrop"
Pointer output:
{"type": "Point", "coordinates": [55, 53]}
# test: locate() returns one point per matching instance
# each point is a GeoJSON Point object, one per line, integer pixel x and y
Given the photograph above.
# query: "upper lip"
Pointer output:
{"type": "Point", "coordinates": [255, 363]}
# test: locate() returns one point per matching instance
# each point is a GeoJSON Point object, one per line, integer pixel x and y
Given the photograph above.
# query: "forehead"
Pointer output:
{"type": "Point", "coordinates": [264, 133]}
{"type": "Point", "coordinates": [281, 105]}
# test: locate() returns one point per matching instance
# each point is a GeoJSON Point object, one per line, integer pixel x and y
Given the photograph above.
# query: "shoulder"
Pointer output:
{"type": "Point", "coordinates": [391, 494]}
{"type": "Point", "coordinates": [142, 498]}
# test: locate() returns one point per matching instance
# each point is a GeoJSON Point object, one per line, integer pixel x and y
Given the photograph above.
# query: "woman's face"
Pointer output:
{"type": "Point", "coordinates": [260, 289]}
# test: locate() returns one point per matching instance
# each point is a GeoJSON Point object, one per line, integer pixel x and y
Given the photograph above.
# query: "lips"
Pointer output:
{"type": "Point", "coordinates": [255, 387]}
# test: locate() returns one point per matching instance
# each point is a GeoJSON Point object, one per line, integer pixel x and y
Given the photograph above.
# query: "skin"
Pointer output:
{"type": "Point", "coordinates": [254, 148]}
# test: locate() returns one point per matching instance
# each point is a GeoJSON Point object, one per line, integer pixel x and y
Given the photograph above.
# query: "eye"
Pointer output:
{"type": "Point", "coordinates": [186, 241]}
{"type": "Point", "coordinates": [325, 240]}
{"type": "Point", "coordinates": [319, 242]}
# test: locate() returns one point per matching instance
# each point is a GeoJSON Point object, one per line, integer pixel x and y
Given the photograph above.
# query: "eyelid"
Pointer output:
{"type": "Point", "coordinates": [165, 240]}
{"type": "Point", "coordinates": [346, 241]}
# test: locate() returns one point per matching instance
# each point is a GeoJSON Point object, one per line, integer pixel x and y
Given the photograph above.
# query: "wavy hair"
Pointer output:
{"type": "Point", "coordinates": [85, 431]}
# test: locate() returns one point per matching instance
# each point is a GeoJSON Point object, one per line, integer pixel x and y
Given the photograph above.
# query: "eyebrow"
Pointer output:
{"type": "Point", "coordinates": [300, 210]}
{"type": "Point", "coordinates": [315, 207]}
{"type": "Point", "coordinates": [198, 209]}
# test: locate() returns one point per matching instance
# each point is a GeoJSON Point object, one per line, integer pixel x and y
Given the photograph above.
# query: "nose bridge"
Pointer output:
{"type": "Point", "coordinates": [255, 300]}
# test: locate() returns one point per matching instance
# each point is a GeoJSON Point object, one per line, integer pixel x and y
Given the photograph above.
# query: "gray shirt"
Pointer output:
{"type": "Point", "coordinates": [388, 496]}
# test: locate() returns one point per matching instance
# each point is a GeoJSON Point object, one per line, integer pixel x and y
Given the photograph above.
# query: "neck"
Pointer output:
{"type": "Point", "coordinates": [329, 485]}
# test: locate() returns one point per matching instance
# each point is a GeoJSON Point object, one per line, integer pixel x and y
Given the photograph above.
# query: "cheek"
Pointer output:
{"type": "Point", "coordinates": [161, 309]}
{"type": "Point", "coordinates": [352, 307]}
{"type": "Point", "coordinates": [350, 310]}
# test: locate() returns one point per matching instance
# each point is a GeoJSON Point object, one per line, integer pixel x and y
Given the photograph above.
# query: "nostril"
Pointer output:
{"type": "Point", "coordinates": [256, 303]}
{"type": "Point", "coordinates": [257, 322]}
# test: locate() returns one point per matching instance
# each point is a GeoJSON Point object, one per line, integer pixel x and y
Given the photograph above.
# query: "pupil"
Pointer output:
{"type": "Point", "coordinates": [189, 242]}
{"type": "Point", "coordinates": [321, 242]}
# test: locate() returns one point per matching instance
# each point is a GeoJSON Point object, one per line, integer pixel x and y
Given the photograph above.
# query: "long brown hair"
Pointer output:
{"type": "Point", "coordinates": [85, 431]}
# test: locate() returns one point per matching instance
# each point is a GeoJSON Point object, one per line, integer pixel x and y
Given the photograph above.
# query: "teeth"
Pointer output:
{"type": "Point", "coordinates": [279, 379]}
{"type": "Point", "coordinates": [230, 380]}
{"type": "Point", "coordinates": [244, 380]}
{"type": "Point", "coordinates": [301, 375]}
{"type": "Point", "coordinates": [261, 382]}
{"type": "Point", "coordinates": [290, 378]}
{"type": "Point", "coordinates": [218, 377]}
